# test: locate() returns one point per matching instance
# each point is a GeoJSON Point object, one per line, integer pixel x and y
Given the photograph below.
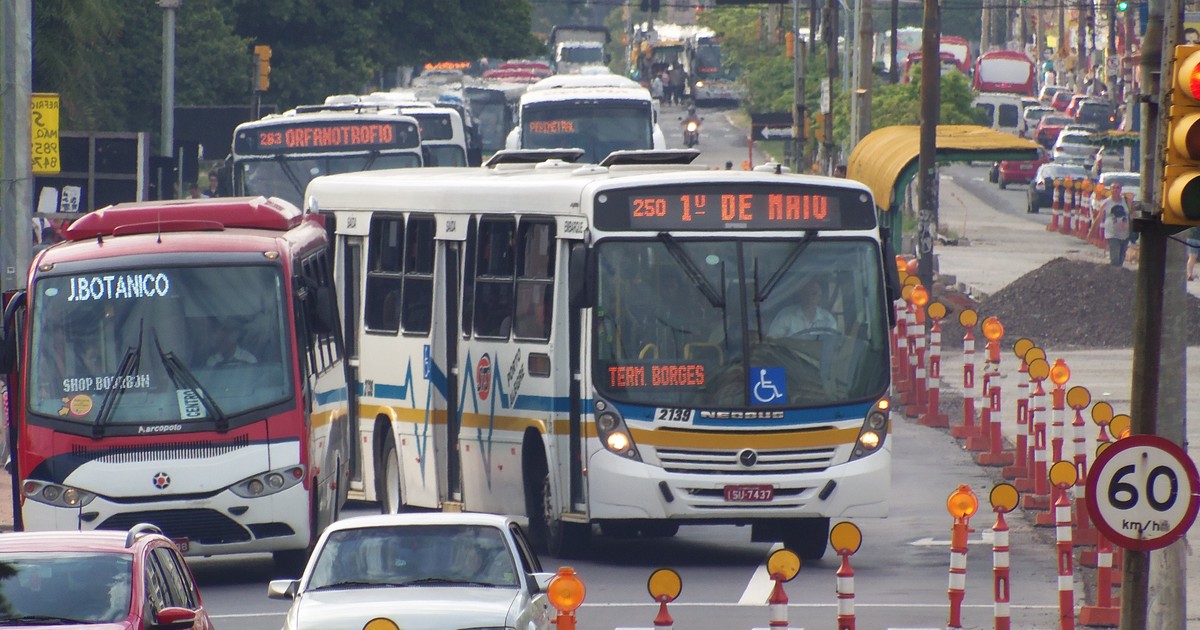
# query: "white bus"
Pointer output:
{"type": "Point", "coordinates": [279, 154]}
{"type": "Point", "coordinates": [443, 137]}
{"type": "Point", "coordinates": [571, 341]}
{"type": "Point", "coordinates": [598, 113]}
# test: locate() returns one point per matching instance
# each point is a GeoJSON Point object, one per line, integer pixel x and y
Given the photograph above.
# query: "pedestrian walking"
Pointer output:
{"type": "Point", "coordinates": [1116, 225]}
{"type": "Point", "coordinates": [1193, 245]}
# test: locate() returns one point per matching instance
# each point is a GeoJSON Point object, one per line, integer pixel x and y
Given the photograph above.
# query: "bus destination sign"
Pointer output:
{"type": "Point", "coordinates": [744, 207]}
{"type": "Point", "coordinates": [312, 137]}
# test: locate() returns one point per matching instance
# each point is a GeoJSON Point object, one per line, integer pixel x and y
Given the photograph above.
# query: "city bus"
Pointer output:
{"type": "Point", "coordinates": [494, 103]}
{"type": "Point", "coordinates": [279, 154]}
{"type": "Point", "coordinates": [598, 113]}
{"type": "Point", "coordinates": [598, 344]}
{"type": "Point", "coordinates": [713, 81]}
{"type": "Point", "coordinates": [443, 137]}
{"type": "Point", "coordinates": [180, 363]}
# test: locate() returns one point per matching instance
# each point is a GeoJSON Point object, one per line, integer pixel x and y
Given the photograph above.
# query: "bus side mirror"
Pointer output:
{"type": "Point", "coordinates": [892, 275]}
{"type": "Point", "coordinates": [9, 351]}
{"type": "Point", "coordinates": [579, 293]}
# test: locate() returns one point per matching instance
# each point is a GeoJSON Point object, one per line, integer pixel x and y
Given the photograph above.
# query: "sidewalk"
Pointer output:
{"type": "Point", "coordinates": [1000, 248]}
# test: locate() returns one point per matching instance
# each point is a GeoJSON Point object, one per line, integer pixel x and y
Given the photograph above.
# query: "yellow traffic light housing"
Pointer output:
{"type": "Point", "coordinates": [262, 63]}
{"type": "Point", "coordinates": [1181, 158]}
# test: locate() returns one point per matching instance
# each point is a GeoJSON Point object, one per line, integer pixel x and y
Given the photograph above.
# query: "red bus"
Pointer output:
{"type": "Point", "coordinates": [1005, 71]}
{"type": "Point", "coordinates": [180, 363]}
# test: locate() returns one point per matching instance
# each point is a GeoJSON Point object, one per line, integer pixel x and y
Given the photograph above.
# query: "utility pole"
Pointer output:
{"type": "Point", "coordinates": [927, 198]}
{"type": "Point", "coordinates": [1149, 292]}
{"type": "Point", "coordinates": [985, 30]}
{"type": "Point", "coordinates": [167, 141]}
{"type": "Point", "coordinates": [16, 142]}
{"type": "Point", "coordinates": [865, 72]}
{"type": "Point", "coordinates": [798, 110]}
{"type": "Point", "coordinates": [831, 71]}
{"type": "Point", "coordinates": [893, 71]}
{"type": "Point", "coordinates": [1081, 65]}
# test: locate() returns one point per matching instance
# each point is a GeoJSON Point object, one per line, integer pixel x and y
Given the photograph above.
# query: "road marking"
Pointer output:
{"type": "Point", "coordinates": [986, 537]}
{"type": "Point", "coordinates": [760, 585]}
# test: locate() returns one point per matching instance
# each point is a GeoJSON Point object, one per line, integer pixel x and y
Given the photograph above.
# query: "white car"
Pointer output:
{"type": "Point", "coordinates": [419, 571]}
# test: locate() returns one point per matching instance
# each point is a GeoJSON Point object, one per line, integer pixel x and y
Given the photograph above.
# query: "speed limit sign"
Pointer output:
{"type": "Point", "coordinates": [1142, 492]}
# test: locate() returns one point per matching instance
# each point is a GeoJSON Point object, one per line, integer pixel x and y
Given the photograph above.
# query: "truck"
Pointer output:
{"type": "Point", "coordinates": [578, 46]}
{"type": "Point", "coordinates": [1005, 71]}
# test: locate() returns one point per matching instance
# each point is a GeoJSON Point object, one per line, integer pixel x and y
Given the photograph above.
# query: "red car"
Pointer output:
{"type": "Point", "coordinates": [1048, 129]}
{"type": "Point", "coordinates": [1017, 171]}
{"type": "Point", "coordinates": [100, 580]}
{"type": "Point", "coordinates": [1060, 100]}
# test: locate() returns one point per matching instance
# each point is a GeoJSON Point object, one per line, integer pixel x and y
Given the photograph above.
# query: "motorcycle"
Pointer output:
{"type": "Point", "coordinates": [691, 132]}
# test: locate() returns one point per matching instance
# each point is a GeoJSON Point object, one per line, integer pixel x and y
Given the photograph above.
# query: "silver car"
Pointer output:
{"type": "Point", "coordinates": [420, 571]}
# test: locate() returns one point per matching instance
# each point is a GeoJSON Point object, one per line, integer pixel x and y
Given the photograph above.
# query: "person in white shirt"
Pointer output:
{"type": "Point", "coordinates": [807, 315]}
{"type": "Point", "coordinates": [228, 350]}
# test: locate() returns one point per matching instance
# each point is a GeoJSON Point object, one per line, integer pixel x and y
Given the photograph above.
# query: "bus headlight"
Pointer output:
{"type": "Point", "coordinates": [268, 483]}
{"type": "Point", "coordinates": [55, 494]}
{"type": "Point", "coordinates": [613, 434]}
{"type": "Point", "coordinates": [874, 430]}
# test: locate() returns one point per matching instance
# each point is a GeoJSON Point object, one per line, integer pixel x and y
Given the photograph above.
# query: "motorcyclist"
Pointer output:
{"type": "Point", "coordinates": [691, 127]}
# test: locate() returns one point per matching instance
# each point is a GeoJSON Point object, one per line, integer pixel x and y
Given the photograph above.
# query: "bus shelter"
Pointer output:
{"type": "Point", "coordinates": [886, 160]}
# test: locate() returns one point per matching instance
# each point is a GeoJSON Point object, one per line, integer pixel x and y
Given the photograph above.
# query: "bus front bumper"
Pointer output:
{"type": "Point", "coordinates": [622, 489]}
{"type": "Point", "coordinates": [219, 524]}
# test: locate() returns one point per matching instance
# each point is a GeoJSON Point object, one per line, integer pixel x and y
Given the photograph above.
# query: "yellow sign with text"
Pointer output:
{"type": "Point", "coordinates": [45, 135]}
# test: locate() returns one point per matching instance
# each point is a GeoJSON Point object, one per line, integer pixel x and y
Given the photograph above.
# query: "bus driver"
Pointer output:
{"type": "Point", "coordinates": [807, 315]}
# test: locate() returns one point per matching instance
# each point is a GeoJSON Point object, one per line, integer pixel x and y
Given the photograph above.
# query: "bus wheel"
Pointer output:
{"type": "Point", "coordinates": [807, 537]}
{"type": "Point", "coordinates": [388, 483]}
{"type": "Point", "coordinates": [549, 533]}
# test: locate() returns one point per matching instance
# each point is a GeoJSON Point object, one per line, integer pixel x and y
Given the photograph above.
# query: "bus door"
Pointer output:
{"type": "Point", "coordinates": [452, 231]}
{"type": "Point", "coordinates": [349, 279]}
{"type": "Point", "coordinates": [570, 231]}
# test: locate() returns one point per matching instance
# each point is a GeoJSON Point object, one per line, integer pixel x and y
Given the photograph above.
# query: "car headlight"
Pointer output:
{"type": "Point", "coordinates": [268, 483]}
{"type": "Point", "coordinates": [613, 434]}
{"type": "Point", "coordinates": [55, 494]}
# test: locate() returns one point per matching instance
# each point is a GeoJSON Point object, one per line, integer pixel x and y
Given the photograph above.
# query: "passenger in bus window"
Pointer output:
{"type": "Point", "coordinates": [228, 351]}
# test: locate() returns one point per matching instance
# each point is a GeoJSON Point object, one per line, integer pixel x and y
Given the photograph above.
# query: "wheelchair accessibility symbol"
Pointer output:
{"type": "Point", "coordinates": [768, 385]}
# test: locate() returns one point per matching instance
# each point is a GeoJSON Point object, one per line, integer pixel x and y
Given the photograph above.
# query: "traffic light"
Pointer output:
{"type": "Point", "coordinates": [1122, 5]}
{"type": "Point", "coordinates": [1181, 159]}
{"type": "Point", "coordinates": [262, 65]}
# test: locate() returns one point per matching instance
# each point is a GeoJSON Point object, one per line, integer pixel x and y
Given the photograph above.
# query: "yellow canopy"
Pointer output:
{"type": "Point", "coordinates": [887, 159]}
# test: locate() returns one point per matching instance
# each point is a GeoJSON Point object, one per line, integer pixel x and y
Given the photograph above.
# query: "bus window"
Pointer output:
{"type": "Point", "coordinates": [382, 298]}
{"type": "Point", "coordinates": [418, 276]}
{"type": "Point", "coordinates": [535, 287]}
{"type": "Point", "coordinates": [494, 278]}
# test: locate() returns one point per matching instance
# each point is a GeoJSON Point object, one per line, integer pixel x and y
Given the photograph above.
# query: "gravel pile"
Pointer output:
{"type": "Point", "coordinates": [1065, 305]}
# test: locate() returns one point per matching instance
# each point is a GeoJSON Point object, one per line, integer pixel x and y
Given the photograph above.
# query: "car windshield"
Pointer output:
{"type": "Point", "coordinates": [158, 346]}
{"type": "Point", "coordinates": [414, 555]}
{"type": "Point", "coordinates": [47, 588]}
{"type": "Point", "coordinates": [675, 321]}
{"type": "Point", "coordinates": [1055, 121]}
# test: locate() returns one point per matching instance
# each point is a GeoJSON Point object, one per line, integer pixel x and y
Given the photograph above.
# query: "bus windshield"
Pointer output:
{"type": "Point", "coordinates": [676, 319]}
{"type": "Point", "coordinates": [597, 128]}
{"type": "Point", "coordinates": [158, 345]}
{"type": "Point", "coordinates": [286, 177]}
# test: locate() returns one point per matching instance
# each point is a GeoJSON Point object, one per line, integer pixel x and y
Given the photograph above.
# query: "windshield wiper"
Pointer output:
{"type": "Point", "coordinates": [352, 584]}
{"type": "Point", "coordinates": [443, 580]}
{"type": "Point", "coordinates": [181, 375]}
{"type": "Point", "coordinates": [291, 175]}
{"type": "Point", "coordinates": [40, 620]}
{"type": "Point", "coordinates": [692, 271]}
{"type": "Point", "coordinates": [807, 240]}
{"type": "Point", "coordinates": [129, 365]}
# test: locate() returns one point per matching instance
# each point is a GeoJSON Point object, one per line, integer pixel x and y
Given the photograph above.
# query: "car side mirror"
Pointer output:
{"type": "Point", "coordinates": [282, 589]}
{"type": "Point", "coordinates": [174, 618]}
{"type": "Point", "coordinates": [540, 582]}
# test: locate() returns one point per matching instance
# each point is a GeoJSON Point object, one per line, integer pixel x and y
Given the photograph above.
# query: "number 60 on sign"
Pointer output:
{"type": "Point", "coordinates": [1142, 492]}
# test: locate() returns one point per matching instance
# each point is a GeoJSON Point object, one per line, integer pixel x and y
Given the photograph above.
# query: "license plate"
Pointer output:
{"type": "Point", "coordinates": [741, 494]}
{"type": "Point", "coordinates": [183, 543]}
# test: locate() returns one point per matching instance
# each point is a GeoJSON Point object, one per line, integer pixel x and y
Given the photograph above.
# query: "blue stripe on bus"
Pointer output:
{"type": "Point", "coordinates": [340, 394]}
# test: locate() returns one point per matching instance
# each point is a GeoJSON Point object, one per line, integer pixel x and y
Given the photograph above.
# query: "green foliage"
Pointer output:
{"type": "Point", "coordinates": [105, 56]}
